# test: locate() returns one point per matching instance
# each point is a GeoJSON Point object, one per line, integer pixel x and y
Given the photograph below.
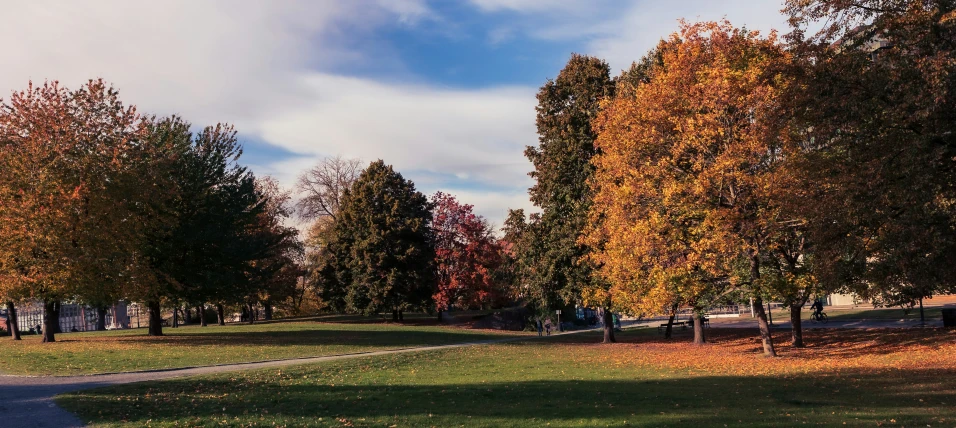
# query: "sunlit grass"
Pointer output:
{"type": "Point", "coordinates": [858, 377]}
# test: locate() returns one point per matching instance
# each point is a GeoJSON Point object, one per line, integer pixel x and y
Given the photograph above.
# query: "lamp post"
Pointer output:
{"type": "Point", "coordinates": [558, 312]}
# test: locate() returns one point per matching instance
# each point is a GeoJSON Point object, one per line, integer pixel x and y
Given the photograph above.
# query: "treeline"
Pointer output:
{"type": "Point", "coordinates": [727, 165]}
{"type": "Point", "coordinates": [377, 245]}
{"type": "Point", "coordinates": [100, 203]}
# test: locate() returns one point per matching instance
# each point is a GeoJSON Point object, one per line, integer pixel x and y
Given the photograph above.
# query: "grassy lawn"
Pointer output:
{"type": "Point", "coordinates": [128, 350]}
{"type": "Point", "coordinates": [856, 377]}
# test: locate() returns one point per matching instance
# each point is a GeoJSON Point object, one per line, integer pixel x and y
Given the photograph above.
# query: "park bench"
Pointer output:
{"type": "Point", "coordinates": [682, 324]}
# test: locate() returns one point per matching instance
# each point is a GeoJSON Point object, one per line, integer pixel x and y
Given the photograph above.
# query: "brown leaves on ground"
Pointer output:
{"type": "Point", "coordinates": [738, 352]}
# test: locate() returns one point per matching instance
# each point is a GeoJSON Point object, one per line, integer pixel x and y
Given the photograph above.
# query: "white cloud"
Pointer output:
{"type": "Point", "coordinates": [274, 70]}
{"type": "Point", "coordinates": [623, 31]}
{"type": "Point", "coordinates": [628, 37]}
{"type": "Point", "coordinates": [480, 133]}
{"type": "Point", "coordinates": [266, 67]}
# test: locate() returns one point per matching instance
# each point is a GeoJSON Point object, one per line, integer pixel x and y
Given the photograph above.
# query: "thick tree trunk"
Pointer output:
{"type": "Point", "coordinates": [669, 330]}
{"type": "Point", "coordinates": [608, 326]}
{"type": "Point", "coordinates": [394, 315]}
{"type": "Point", "coordinates": [101, 319]}
{"type": "Point", "coordinates": [187, 315]}
{"type": "Point", "coordinates": [12, 322]}
{"type": "Point", "coordinates": [401, 316]}
{"type": "Point", "coordinates": [252, 314]}
{"type": "Point", "coordinates": [699, 338]}
{"type": "Point", "coordinates": [50, 321]}
{"type": "Point", "coordinates": [764, 326]}
{"type": "Point", "coordinates": [765, 334]}
{"type": "Point", "coordinates": [56, 317]}
{"type": "Point", "coordinates": [796, 325]}
{"type": "Point", "coordinates": [221, 314]}
{"type": "Point", "coordinates": [155, 319]}
{"type": "Point", "coordinates": [176, 316]}
{"type": "Point", "coordinates": [201, 310]}
{"type": "Point", "coordinates": [267, 310]}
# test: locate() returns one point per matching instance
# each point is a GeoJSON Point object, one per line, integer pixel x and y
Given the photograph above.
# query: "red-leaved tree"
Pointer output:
{"type": "Point", "coordinates": [467, 255]}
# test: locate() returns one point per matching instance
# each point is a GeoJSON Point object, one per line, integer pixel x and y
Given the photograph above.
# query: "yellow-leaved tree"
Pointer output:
{"type": "Point", "coordinates": [688, 167]}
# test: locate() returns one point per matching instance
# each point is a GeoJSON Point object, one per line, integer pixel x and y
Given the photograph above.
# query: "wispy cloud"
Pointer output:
{"type": "Point", "coordinates": [317, 78]}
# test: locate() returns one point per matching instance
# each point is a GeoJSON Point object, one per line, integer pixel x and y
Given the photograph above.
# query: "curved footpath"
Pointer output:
{"type": "Point", "coordinates": [27, 401]}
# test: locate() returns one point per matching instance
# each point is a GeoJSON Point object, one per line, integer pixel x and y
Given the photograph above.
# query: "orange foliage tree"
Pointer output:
{"type": "Point", "coordinates": [68, 213]}
{"type": "Point", "coordinates": [687, 170]}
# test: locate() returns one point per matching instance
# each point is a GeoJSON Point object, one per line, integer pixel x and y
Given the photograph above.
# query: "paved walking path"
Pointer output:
{"type": "Point", "coordinates": [27, 401]}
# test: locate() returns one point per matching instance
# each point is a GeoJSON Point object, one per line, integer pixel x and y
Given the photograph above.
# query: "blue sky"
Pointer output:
{"type": "Point", "coordinates": [444, 90]}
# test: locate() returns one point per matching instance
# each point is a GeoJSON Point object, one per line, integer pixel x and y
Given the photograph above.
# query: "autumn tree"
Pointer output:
{"type": "Point", "coordinates": [381, 246]}
{"type": "Point", "coordinates": [681, 185]}
{"type": "Point", "coordinates": [68, 223]}
{"type": "Point", "coordinates": [566, 107]}
{"type": "Point", "coordinates": [876, 107]}
{"type": "Point", "coordinates": [466, 256]}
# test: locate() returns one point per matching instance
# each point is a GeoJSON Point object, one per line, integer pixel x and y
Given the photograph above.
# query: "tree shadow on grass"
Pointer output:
{"type": "Point", "coordinates": [856, 397]}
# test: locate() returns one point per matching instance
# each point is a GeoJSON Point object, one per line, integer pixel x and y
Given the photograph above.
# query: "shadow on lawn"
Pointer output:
{"type": "Point", "coordinates": [908, 396]}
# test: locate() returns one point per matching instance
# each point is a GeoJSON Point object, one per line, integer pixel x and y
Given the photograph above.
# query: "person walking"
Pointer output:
{"type": "Point", "coordinates": [547, 326]}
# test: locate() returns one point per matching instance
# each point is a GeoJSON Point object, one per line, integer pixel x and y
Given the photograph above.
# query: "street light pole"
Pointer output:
{"type": "Point", "coordinates": [558, 312]}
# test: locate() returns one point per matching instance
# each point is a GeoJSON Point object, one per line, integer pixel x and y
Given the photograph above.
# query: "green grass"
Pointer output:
{"type": "Point", "coordinates": [130, 350]}
{"type": "Point", "coordinates": [568, 381]}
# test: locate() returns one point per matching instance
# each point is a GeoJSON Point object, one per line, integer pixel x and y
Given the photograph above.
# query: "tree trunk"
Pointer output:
{"type": "Point", "coordinates": [101, 319]}
{"type": "Point", "coordinates": [765, 334]}
{"type": "Point", "coordinates": [922, 316]}
{"type": "Point", "coordinates": [201, 310]}
{"type": "Point", "coordinates": [394, 315]}
{"type": "Point", "coordinates": [267, 310]}
{"type": "Point", "coordinates": [669, 330]}
{"type": "Point", "coordinates": [796, 325]}
{"type": "Point", "coordinates": [252, 314]}
{"type": "Point", "coordinates": [12, 321]}
{"type": "Point", "coordinates": [699, 338]}
{"type": "Point", "coordinates": [155, 319]}
{"type": "Point", "coordinates": [401, 316]}
{"type": "Point", "coordinates": [608, 326]}
{"type": "Point", "coordinates": [221, 314]}
{"type": "Point", "coordinates": [50, 320]}
{"type": "Point", "coordinates": [764, 326]}
{"type": "Point", "coordinates": [56, 317]}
